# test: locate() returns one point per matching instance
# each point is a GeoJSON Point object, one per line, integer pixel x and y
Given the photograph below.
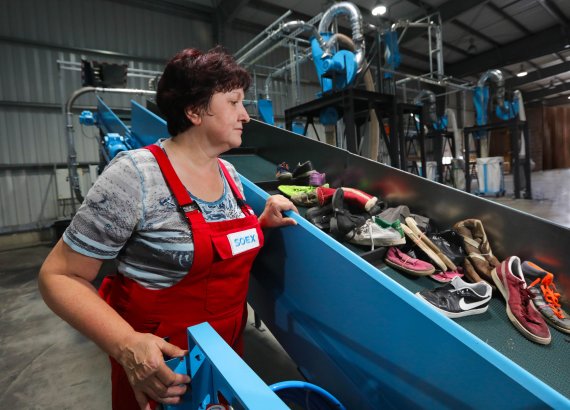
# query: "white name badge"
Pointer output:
{"type": "Point", "coordinates": [243, 241]}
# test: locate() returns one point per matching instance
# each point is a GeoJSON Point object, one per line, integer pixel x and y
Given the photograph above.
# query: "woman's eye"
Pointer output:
{"type": "Point", "coordinates": [234, 102]}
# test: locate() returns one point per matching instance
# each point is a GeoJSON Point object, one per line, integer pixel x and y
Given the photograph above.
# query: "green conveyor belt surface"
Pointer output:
{"type": "Point", "coordinates": [551, 363]}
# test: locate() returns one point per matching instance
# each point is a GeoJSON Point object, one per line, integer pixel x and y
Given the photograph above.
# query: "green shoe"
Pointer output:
{"type": "Point", "coordinates": [290, 190]}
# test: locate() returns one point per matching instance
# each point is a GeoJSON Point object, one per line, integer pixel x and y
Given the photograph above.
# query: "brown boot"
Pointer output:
{"type": "Point", "coordinates": [480, 259]}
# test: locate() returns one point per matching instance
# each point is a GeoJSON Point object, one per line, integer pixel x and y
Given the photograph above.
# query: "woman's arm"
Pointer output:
{"type": "Point", "coordinates": [65, 284]}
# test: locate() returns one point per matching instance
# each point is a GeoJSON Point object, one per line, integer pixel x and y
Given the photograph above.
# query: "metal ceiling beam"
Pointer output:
{"type": "Point", "coordinates": [474, 32]}
{"type": "Point", "coordinates": [277, 10]}
{"type": "Point", "coordinates": [536, 45]}
{"type": "Point", "coordinates": [448, 10]}
{"type": "Point", "coordinates": [552, 9]}
{"type": "Point", "coordinates": [231, 8]}
{"type": "Point", "coordinates": [508, 17]}
{"type": "Point", "coordinates": [542, 94]}
{"type": "Point", "coordinates": [174, 7]}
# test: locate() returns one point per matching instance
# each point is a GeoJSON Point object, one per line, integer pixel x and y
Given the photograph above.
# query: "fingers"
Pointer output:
{"type": "Point", "coordinates": [272, 215]}
{"type": "Point", "coordinates": [171, 350]}
{"type": "Point", "coordinates": [142, 400]}
{"type": "Point", "coordinates": [168, 378]}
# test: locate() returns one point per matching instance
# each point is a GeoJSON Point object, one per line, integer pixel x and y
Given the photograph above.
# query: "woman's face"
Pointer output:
{"type": "Point", "coordinates": [223, 120]}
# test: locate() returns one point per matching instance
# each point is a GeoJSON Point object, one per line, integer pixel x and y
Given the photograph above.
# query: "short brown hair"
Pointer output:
{"type": "Point", "coordinates": [190, 79]}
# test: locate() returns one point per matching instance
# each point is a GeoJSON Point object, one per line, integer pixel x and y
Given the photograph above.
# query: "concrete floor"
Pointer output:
{"type": "Point", "coordinates": [48, 365]}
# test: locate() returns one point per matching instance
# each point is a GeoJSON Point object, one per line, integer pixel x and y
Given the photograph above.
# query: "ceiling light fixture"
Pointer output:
{"type": "Point", "coordinates": [379, 10]}
{"type": "Point", "coordinates": [522, 72]}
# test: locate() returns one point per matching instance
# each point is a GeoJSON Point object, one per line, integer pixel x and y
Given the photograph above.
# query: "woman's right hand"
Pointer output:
{"type": "Point", "coordinates": [142, 357]}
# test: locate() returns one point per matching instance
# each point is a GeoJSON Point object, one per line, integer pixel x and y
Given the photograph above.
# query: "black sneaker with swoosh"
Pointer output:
{"type": "Point", "coordinates": [459, 298]}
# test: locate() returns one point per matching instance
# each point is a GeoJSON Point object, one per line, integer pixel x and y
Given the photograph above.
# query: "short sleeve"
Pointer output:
{"type": "Point", "coordinates": [110, 212]}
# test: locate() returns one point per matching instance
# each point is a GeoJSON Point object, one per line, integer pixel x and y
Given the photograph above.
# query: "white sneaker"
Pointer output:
{"type": "Point", "coordinates": [372, 234]}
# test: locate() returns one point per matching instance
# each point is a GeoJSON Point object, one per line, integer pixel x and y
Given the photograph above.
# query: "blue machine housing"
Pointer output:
{"type": "Point", "coordinates": [146, 128]}
{"type": "Point", "coordinates": [335, 72]}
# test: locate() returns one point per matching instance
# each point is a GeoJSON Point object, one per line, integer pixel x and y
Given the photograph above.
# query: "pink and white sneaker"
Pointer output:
{"type": "Point", "coordinates": [400, 261]}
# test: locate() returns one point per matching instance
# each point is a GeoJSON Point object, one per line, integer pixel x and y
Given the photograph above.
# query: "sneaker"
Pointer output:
{"type": "Point", "coordinates": [303, 170]}
{"type": "Point", "coordinates": [459, 298]}
{"type": "Point", "coordinates": [290, 190]}
{"type": "Point", "coordinates": [374, 235]}
{"type": "Point", "coordinates": [400, 261]}
{"type": "Point", "coordinates": [532, 271]}
{"type": "Point", "coordinates": [546, 299]}
{"type": "Point", "coordinates": [283, 173]}
{"type": "Point", "coordinates": [521, 311]}
{"type": "Point", "coordinates": [317, 179]}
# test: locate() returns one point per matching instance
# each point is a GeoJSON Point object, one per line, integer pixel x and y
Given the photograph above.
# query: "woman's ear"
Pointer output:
{"type": "Point", "coordinates": [193, 116]}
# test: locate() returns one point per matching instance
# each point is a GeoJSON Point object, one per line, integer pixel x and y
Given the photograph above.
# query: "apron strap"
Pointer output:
{"type": "Point", "coordinates": [245, 208]}
{"type": "Point", "coordinates": [185, 202]}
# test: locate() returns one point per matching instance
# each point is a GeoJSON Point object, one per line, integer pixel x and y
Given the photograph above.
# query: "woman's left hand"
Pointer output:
{"type": "Point", "coordinates": [272, 215]}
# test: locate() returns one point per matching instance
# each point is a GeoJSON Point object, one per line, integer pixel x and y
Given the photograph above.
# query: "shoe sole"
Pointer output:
{"type": "Point", "coordinates": [556, 326]}
{"type": "Point", "coordinates": [455, 315]}
{"type": "Point", "coordinates": [409, 271]}
{"type": "Point", "coordinates": [384, 243]}
{"type": "Point", "coordinates": [512, 318]}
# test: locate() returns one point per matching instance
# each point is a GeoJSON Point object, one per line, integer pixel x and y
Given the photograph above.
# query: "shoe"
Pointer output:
{"type": "Point", "coordinates": [532, 271]}
{"type": "Point", "coordinates": [342, 221]}
{"type": "Point", "coordinates": [400, 261]}
{"type": "Point", "coordinates": [449, 265]}
{"type": "Point", "coordinates": [317, 179]}
{"type": "Point", "coordinates": [373, 235]}
{"type": "Point", "coordinates": [479, 260]}
{"type": "Point", "coordinates": [320, 216]}
{"type": "Point", "coordinates": [417, 239]}
{"type": "Point", "coordinates": [283, 173]}
{"type": "Point", "coordinates": [446, 277]}
{"type": "Point", "coordinates": [290, 190]}
{"type": "Point", "coordinates": [358, 200]}
{"type": "Point", "coordinates": [303, 170]}
{"type": "Point", "coordinates": [459, 298]}
{"type": "Point", "coordinates": [521, 311]}
{"type": "Point", "coordinates": [546, 299]}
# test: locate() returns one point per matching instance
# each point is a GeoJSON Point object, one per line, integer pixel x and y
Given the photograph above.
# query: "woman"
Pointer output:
{"type": "Point", "coordinates": [174, 216]}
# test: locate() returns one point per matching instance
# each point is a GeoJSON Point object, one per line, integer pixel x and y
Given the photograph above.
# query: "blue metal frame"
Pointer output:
{"type": "Point", "coordinates": [216, 368]}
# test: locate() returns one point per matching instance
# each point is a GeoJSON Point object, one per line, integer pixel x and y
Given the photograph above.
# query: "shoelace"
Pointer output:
{"type": "Point", "coordinates": [551, 297]}
{"type": "Point", "coordinates": [526, 298]}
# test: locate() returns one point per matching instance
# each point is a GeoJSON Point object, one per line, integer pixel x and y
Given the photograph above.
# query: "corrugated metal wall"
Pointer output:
{"type": "Point", "coordinates": [34, 35]}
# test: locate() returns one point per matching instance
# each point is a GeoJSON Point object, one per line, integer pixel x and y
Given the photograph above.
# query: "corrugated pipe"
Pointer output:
{"type": "Point", "coordinates": [291, 26]}
{"type": "Point", "coordinates": [431, 100]}
{"type": "Point", "coordinates": [497, 77]}
{"type": "Point", "coordinates": [345, 8]}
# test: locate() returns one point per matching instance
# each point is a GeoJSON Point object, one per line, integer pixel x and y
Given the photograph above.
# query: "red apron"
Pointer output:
{"type": "Point", "coordinates": [213, 291]}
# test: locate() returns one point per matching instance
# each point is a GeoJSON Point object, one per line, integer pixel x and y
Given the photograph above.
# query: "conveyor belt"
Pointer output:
{"type": "Point", "coordinates": [548, 363]}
